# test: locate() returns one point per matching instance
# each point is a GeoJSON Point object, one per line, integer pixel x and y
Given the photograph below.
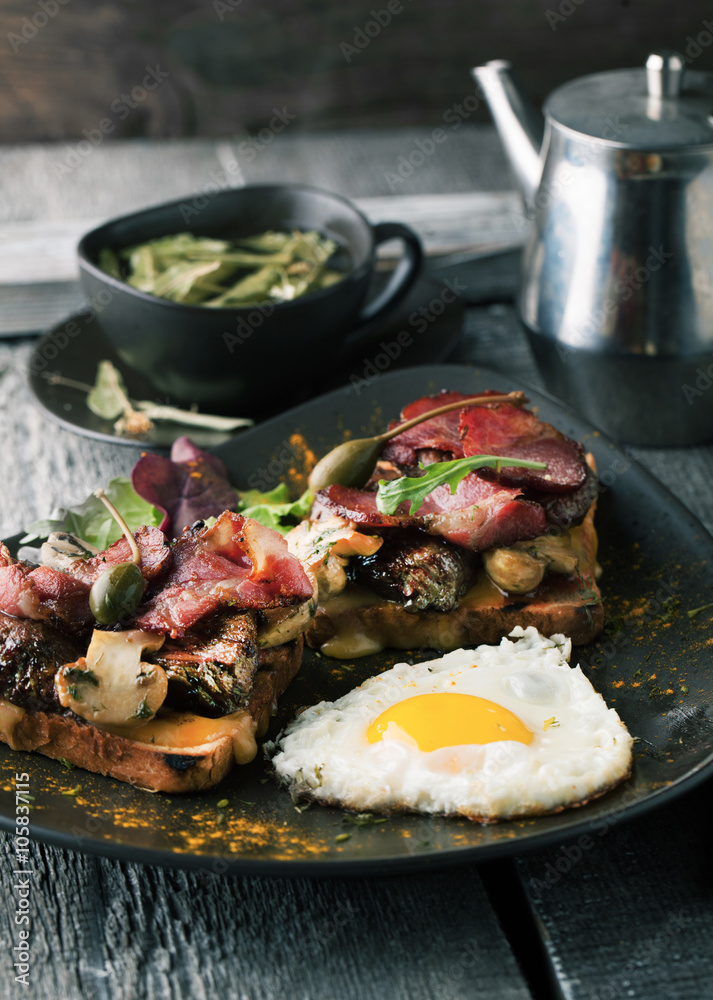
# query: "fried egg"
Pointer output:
{"type": "Point", "coordinates": [490, 733]}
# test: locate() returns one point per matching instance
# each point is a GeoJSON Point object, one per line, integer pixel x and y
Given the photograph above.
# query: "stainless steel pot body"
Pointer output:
{"type": "Point", "coordinates": [617, 283]}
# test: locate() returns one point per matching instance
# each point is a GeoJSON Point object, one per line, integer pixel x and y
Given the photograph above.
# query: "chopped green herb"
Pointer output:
{"type": "Point", "coordinates": [363, 819]}
{"type": "Point", "coordinates": [670, 610]}
{"type": "Point", "coordinates": [144, 711]}
{"type": "Point", "coordinates": [684, 689]}
{"type": "Point", "coordinates": [66, 763]}
{"type": "Point", "coordinates": [223, 803]}
{"type": "Point", "coordinates": [80, 675]}
{"type": "Point", "coordinates": [341, 837]}
{"type": "Point", "coordinates": [72, 791]}
{"type": "Point", "coordinates": [696, 611]}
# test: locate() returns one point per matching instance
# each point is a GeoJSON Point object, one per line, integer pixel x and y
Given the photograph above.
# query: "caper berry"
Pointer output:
{"type": "Point", "coordinates": [116, 593]}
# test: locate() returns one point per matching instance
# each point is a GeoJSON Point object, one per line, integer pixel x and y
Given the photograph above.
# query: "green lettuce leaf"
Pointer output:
{"type": "Point", "coordinates": [93, 523]}
{"type": "Point", "coordinates": [275, 509]}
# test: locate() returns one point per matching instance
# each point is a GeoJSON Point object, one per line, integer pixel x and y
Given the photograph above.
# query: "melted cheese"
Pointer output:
{"type": "Point", "coordinates": [10, 716]}
{"type": "Point", "coordinates": [352, 641]}
{"type": "Point", "coordinates": [180, 730]}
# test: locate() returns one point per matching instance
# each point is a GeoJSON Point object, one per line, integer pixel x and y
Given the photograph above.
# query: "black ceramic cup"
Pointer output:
{"type": "Point", "coordinates": [231, 360]}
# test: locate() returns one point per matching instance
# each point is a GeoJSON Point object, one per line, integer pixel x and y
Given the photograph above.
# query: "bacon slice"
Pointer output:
{"type": "Point", "coordinates": [496, 429]}
{"type": "Point", "coordinates": [440, 433]}
{"type": "Point", "coordinates": [236, 562]}
{"type": "Point", "coordinates": [43, 594]}
{"type": "Point", "coordinates": [17, 597]}
{"type": "Point", "coordinates": [155, 555]}
{"type": "Point", "coordinates": [501, 429]}
{"type": "Point", "coordinates": [478, 516]}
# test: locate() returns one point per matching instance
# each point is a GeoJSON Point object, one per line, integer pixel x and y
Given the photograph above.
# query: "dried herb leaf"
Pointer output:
{"type": "Point", "coordinates": [108, 398]}
{"type": "Point", "coordinates": [270, 266]}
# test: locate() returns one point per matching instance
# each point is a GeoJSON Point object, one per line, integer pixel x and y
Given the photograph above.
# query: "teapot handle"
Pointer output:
{"type": "Point", "coordinates": [405, 274]}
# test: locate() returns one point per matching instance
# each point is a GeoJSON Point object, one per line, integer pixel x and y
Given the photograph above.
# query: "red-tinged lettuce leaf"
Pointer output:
{"type": "Point", "coordinates": [189, 486]}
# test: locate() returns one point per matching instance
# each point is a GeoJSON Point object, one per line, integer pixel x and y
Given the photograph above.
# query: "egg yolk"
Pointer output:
{"type": "Point", "coordinates": [445, 720]}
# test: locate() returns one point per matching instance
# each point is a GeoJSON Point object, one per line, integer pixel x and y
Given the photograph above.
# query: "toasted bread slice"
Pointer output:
{"type": "Point", "coordinates": [177, 752]}
{"type": "Point", "coordinates": [357, 621]}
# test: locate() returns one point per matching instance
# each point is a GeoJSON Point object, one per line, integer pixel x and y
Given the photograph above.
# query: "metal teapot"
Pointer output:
{"type": "Point", "coordinates": [616, 290]}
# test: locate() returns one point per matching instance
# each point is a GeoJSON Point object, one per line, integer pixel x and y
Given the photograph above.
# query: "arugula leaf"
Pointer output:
{"type": "Point", "coordinates": [93, 523]}
{"type": "Point", "coordinates": [392, 493]}
{"type": "Point", "coordinates": [274, 509]}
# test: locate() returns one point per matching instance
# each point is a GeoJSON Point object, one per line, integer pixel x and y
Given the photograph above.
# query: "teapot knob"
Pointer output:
{"type": "Point", "coordinates": [664, 74]}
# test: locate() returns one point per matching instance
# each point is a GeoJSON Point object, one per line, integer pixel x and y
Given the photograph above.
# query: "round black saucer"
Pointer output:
{"type": "Point", "coordinates": [424, 329]}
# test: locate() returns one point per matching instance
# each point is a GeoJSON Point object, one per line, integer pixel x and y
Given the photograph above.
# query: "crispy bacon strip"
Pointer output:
{"type": "Point", "coordinates": [496, 429]}
{"type": "Point", "coordinates": [154, 550]}
{"type": "Point", "coordinates": [236, 562]}
{"type": "Point", "coordinates": [502, 429]}
{"type": "Point", "coordinates": [479, 515]}
{"type": "Point", "coordinates": [441, 433]}
{"type": "Point", "coordinates": [43, 594]}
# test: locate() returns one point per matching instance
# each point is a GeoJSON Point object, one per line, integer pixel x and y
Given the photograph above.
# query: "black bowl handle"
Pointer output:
{"type": "Point", "coordinates": [404, 275]}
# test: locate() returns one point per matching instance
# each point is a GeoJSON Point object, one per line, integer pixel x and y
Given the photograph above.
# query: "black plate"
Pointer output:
{"type": "Point", "coordinates": [654, 664]}
{"type": "Point", "coordinates": [74, 348]}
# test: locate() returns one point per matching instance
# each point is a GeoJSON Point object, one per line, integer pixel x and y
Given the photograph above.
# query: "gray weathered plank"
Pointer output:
{"type": "Point", "coordinates": [627, 912]}
{"type": "Point", "coordinates": [105, 929]}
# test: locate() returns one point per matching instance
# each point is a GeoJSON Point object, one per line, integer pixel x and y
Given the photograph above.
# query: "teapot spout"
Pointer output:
{"type": "Point", "coordinates": [519, 124]}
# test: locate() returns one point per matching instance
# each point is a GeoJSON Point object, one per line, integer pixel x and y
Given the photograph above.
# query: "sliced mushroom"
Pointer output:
{"type": "Point", "coordinates": [279, 625]}
{"type": "Point", "coordinates": [324, 547]}
{"type": "Point", "coordinates": [514, 571]}
{"type": "Point", "coordinates": [556, 550]}
{"type": "Point", "coordinates": [61, 549]}
{"type": "Point", "coordinates": [521, 567]}
{"type": "Point", "coordinates": [111, 685]}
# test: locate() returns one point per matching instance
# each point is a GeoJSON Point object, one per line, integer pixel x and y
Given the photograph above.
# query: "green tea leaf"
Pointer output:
{"type": "Point", "coordinates": [250, 290]}
{"type": "Point", "coordinates": [178, 281]}
{"type": "Point", "coordinates": [142, 269]}
{"type": "Point", "coordinates": [266, 267]}
{"type": "Point", "coordinates": [109, 263]}
{"type": "Point", "coordinates": [269, 241]}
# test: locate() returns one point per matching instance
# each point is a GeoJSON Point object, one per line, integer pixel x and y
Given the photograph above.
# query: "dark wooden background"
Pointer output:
{"type": "Point", "coordinates": [66, 63]}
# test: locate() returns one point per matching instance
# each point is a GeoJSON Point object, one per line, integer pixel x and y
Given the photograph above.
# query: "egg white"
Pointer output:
{"type": "Point", "coordinates": [580, 748]}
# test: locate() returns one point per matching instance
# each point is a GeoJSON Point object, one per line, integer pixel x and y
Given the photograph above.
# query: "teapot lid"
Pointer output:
{"type": "Point", "coordinates": [661, 106]}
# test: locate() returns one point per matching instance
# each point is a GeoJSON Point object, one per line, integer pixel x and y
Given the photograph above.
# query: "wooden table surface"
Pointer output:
{"type": "Point", "coordinates": [632, 916]}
